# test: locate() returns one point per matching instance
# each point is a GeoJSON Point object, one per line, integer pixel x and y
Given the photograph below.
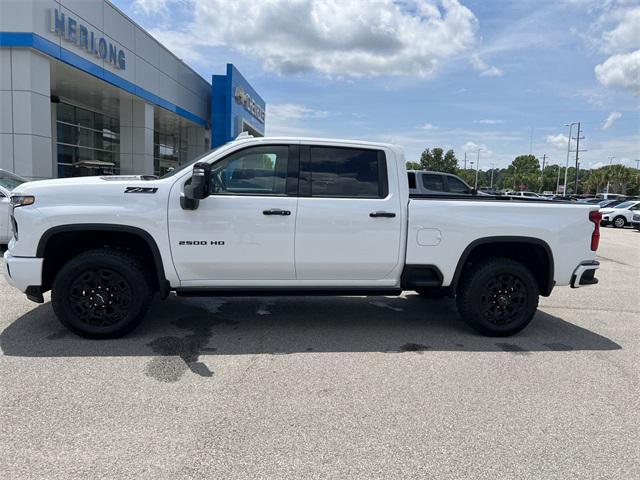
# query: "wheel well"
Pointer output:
{"type": "Point", "coordinates": [59, 247]}
{"type": "Point", "coordinates": [532, 253]}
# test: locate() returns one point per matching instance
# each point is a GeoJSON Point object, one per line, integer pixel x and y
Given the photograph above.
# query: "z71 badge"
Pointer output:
{"type": "Point", "coordinates": [140, 190]}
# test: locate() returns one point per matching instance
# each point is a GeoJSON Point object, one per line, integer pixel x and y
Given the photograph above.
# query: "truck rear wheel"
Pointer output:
{"type": "Point", "coordinates": [498, 297]}
{"type": "Point", "coordinates": [101, 293]}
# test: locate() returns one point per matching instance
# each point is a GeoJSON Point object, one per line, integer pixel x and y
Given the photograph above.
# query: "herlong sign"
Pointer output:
{"type": "Point", "coordinates": [84, 37]}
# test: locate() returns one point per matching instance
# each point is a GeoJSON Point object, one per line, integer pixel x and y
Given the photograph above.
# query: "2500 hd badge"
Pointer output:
{"type": "Point", "coordinates": [201, 242]}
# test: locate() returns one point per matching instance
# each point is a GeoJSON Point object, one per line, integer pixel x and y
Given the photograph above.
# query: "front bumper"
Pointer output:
{"type": "Point", "coordinates": [23, 273]}
{"type": "Point", "coordinates": [584, 274]}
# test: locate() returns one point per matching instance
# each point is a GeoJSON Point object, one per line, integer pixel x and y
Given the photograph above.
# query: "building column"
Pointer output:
{"type": "Point", "coordinates": [136, 137]}
{"type": "Point", "coordinates": [25, 122]}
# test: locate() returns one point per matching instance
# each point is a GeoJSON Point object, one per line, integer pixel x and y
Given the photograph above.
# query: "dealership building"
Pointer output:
{"type": "Point", "coordinates": [85, 91]}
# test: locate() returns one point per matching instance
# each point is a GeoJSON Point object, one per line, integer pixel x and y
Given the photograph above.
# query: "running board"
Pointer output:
{"type": "Point", "coordinates": [284, 292]}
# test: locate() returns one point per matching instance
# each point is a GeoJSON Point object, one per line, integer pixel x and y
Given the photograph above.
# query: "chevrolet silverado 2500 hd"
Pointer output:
{"type": "Point", "coordinates": [289, 216]}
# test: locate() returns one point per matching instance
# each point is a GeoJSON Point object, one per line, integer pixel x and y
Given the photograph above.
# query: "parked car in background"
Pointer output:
{"type": "Point", "coordinates": [621, 215]}
{"type": "Point", "coordinates": [526, 194]}
{"type": "Point", "coordinates": [611, 202]}
{"type": "Point", "coordinates": [590, 200]}
{"type": "Point", "coordinates": [8, 181]}
{"type": "Point", "coordinates": [425, 182]}
{"type": "Point", "coordinates": [611, 196]}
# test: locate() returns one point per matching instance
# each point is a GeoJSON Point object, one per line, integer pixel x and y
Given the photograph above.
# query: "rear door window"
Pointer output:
{"type": "Point", "coordinates": [456, 186]}
{"type": "Point", "coordinates": [433, 182]}
{"type": "Point", "coordinates": [346, 172]}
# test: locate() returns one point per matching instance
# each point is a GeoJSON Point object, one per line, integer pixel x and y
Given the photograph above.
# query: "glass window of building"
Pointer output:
{"type": "Point", "coordinates": [88, 142]}
{"type": "Point", "coordinates": [169, 151]}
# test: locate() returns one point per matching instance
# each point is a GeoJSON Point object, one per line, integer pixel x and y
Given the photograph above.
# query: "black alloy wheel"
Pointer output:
{"type": "Point", "coordinates": [504, 299]}
{"type": "Point", "coordinates": [100, 297]}
{"type": "Point", "coordinates": [497, 296]}
{"type": "Point", "coordinates": [102, 293]}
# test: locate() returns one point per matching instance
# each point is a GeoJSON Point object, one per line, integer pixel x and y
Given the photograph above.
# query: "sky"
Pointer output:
{"type": "Point", "coordinates": [501, 76]}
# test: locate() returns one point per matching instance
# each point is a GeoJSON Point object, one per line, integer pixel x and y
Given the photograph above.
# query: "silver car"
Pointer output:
{"type": "Point", "coordinates": [8, 181]}
{"type": "Point", "coordinates": [437, 183]}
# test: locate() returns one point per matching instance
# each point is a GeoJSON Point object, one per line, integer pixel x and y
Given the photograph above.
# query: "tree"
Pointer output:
{"type": "Point", "coordinates": [524, 173]}
{"type": "Point", "coordinates": [413, 166]}
{"type": "Point", "coordinates": [435, 161]}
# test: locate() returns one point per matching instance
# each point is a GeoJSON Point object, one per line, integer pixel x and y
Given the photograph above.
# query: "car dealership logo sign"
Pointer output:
{"type": "Point", "coordinates": [80, 35]}
{"type": "Point", "coordinates": [243, 98]}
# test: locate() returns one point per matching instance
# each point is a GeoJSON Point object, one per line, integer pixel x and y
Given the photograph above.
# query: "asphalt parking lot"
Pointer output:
{"type": "Point", "coordinates": [330, 388]}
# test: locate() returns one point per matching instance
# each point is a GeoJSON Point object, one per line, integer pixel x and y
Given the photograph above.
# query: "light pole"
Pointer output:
{"type": "Point", "coordinates": [611, 159]}
{"type": "Point", "coordinates": [566, 168]}
{"type": "Point", "coordinates": [558, 182]}
{"type": "Point", "coordinates": [477, 168]}
{"type": "Point", "coordinates": [493, 167]}
{"type": "Point", "coordinates": [544, 159]}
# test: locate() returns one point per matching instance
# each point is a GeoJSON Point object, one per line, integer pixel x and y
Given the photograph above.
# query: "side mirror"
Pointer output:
{"type": "Point", "coordinates": [199, 188]}
{"type": "Point", "coordinates": [474, 191]}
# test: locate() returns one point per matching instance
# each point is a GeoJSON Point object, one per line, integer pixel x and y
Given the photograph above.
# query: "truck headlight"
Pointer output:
{"type": "Point", "coordinates": [22, 200]}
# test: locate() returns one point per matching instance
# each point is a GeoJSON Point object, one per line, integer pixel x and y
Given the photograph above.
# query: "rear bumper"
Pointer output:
{"type": "Point", "coordinates": [23, 273]}
{"type": "Point", "coordinates": [584, 274]}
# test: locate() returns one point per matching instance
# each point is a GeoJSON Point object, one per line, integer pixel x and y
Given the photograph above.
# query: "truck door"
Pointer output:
{"type": "Point", "coordinates": [349, 220]}
{"type": "Point", "coordinates": [244, 231]}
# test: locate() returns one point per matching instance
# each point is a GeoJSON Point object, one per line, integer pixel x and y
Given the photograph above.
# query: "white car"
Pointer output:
{"type": "Point", "coordinates": [621, 215]}
{"type": "Point", "coordinates": [289, 216]}
{"type": "Point", "coordinates": [8, 181]}
{"type": "Point", "coordinates": [527, 195]}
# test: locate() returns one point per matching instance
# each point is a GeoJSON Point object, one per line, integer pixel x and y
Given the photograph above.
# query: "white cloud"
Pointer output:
{"type": "Point", "coordinates": [626, 35]}
{"type": "Point", "coordinates": [621, 71]}
{"type": "Point", "coordinates": [488, 121]}
{"type": "Point", "coordinates": [334, 37]}
{"type": "Point", "coordinates": [558, 141]}
{"type": "Point", "coordinates": [472, 147]}
{"type": "Point", "coordinates": [611, 119]}
{"type": "Point", "coordinates": [598, 165]}
{"type": "Point", "coordinates": [293, 119]}
{"type": "Point", "coordinates": [150, 7]}
{"type": "Point", "coordinates": [491, 72]}
{"type": "Point", "coordinates": [427, 126]}
{"type": "Point", "coordinates": [485, 69]}
{"type": "Point", "coordinates": [287, 111]}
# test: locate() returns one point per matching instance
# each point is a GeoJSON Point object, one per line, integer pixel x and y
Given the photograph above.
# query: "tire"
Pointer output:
{"type": "Point", "coordinates": [431, 292]}
{"type": "Point", "coordinates": [619, 222]}
{"type": "Point", "coordinates": [498, 297]}
{"type": "Point", "coordinates": [79, 294]}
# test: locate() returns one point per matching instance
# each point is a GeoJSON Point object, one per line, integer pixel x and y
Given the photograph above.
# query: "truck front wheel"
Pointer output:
{"type": "Point", "coordinates": [498, 297]}
{"type": "Point", "coordinates": [101, 293]}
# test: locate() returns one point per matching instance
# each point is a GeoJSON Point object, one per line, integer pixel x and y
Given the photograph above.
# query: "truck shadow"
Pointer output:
{"type": "Point", "coordinates": [190, 328]}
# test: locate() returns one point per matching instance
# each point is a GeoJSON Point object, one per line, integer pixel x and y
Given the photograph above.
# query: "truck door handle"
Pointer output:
{"type": "Point", "coordinates": [382, 214]}
{"type": "Point", "coordinates": [276, 211]}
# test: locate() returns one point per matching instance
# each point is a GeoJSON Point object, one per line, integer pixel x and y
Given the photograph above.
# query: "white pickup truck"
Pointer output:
{"type": "Point", "coordinates": [289, 216]}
